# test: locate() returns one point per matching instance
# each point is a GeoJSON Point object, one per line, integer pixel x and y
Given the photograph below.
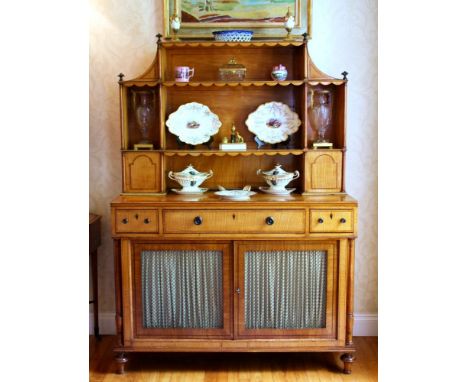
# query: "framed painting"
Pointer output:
{"type": "Point", "coordinates": [199, 18]}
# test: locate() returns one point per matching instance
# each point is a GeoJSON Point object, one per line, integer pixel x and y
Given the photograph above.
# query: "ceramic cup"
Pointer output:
{"type": "Point", "coordinates": [184, 73]}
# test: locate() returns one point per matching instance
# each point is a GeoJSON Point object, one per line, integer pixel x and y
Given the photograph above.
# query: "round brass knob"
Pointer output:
{"type": "Point", "coordinates": [146, 221]}
{"type": "Point", "coordinates": [198, 220]}
{"type": "Point", "coordinates": [342, 220]}
{"type": "Point", "coordinates": [124, 220]}
{"type": "Point", "coordinates": [320, 220]}
{"type": "Point", "coordinates": [269, 220]}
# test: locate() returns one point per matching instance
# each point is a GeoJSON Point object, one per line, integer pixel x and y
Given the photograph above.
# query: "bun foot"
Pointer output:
{"type": "Point", "coordinates": [121, 360]}
{"type": "Point", "coordinates": [348, 359]}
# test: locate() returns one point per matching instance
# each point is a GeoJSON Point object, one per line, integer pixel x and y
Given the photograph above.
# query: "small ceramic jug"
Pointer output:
{"type": "Point", "coordinates": [279, 73]}
{"type": "Point", "coordinates": [184, 73]}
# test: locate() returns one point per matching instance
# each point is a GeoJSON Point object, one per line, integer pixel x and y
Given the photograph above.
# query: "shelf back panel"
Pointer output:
{"type": "Point", "coordinates": [258, 61]}
{"type": "Point", "coordinates": [234, 173]}
{"type": "Point", "coordinates": [233, 105]}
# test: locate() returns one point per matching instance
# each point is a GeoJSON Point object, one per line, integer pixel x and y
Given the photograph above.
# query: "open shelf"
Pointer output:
{"type": "Point", "coordinates": [233, 83]}
{"type": "Point", "coordinates": [247, 44]}
{"type": "Point", "coordinates": [220, 153]}
{"type": "Point", "coordinates": [232, 101]}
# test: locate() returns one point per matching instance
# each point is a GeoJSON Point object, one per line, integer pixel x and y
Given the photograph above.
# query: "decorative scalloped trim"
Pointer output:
{"type": "Point", "coordinates": [326, 82]}
{"type": "Point", "coordinates": [233, 84]}
{"type": "Point", "coordinates": [232, 153]}
{"type": "Point", "coordinates": [230, 44]}
{"type": "Point", "coordinates": [140, 83]}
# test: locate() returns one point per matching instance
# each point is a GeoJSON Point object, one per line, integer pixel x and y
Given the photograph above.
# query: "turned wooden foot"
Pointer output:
{"type": "Point", "coordinates": [348, 359]}
{"type": "Point", "coordinates": [121, 360]}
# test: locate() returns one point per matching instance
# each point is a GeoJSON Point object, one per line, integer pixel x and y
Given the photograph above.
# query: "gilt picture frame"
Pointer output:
{"type": "Point", "coordinates": [199, 18]}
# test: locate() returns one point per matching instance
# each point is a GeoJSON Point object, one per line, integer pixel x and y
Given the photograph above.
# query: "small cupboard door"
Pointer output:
{"type": "Point", "coordinates": [286, 289]}
{"type": "Point", "coordinates": [178, 291]}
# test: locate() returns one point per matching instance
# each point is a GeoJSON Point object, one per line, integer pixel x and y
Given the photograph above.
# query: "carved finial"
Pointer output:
{"type": "Point", "coordinates": [306, 37]}
{"type": "Point", "coordinates": [344, 74]}
{"type": "Point", "coordinates": [159, 35]}
{"type": "Point", "coordinates": [121, 76]}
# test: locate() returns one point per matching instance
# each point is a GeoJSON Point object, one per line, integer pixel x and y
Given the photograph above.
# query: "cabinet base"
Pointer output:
{"type": "Point", "coordinates": [348, 357]}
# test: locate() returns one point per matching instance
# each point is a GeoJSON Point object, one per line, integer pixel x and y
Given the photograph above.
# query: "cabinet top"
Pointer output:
{"type": "Point", "coordinates": [256, 43]}
{"type": "Point", "coordinates": [212, 200]}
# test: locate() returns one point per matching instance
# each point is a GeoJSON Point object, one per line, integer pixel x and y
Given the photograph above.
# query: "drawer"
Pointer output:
{"type": "Point", "coordinates": [331, 221]}
{"type": "Point", "coordinates": [137, 221]}
{"type": "Point", "coordinates": [234, 221]}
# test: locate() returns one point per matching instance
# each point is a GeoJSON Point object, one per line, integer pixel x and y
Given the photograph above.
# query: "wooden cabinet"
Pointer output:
{"type": "Point", "coordinates": [146, 171]}
{"type": "Point", "coordinates": [198, 273]}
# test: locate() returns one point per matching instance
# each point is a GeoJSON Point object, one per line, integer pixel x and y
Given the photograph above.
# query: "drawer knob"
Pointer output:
{"type": "Point", "coordinates": [320, 220]}
{"type": "Point", "coordinates": [342, 220]}
{"type": "Point", "coordinates": [269, 220]}
{"type": "Point", "coordinates": [124, 220]}
{"type": "Point", "coordinates": [198, 220]}
{"type": "Point", "coordinates": [146, 221]}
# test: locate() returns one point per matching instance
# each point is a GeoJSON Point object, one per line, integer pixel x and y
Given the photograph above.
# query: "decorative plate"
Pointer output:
{"type": "Point", "coordinates": [273, 122]}
{"type": "Point", "coordinates": [272, 191]}
{"type": "Point", "coordinates": [193, 123]}
{"type": "Point", "coordinates": [195, 192]}
{"type": "Point", "coordinates": [233, 35]}
{"type": "Point", "coordinates": [235, 194]}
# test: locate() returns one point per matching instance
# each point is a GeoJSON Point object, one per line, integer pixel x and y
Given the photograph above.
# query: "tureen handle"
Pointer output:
{"type": "Point", "coordinates": [210, 174]}
{"type": "Point", "coordinates": [296, 175]}
{"type": "Point", "coordinates": [171, 176]}
{"type": "Point", "coordinates": [259, 171]}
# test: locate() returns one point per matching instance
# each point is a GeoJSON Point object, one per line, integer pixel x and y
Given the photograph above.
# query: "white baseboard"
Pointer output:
{"type": "Point", "coordinates": [365, 324]}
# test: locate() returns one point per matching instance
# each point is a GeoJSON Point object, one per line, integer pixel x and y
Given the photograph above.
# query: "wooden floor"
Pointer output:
{"type": "Point", "coordinates": [232, 367]}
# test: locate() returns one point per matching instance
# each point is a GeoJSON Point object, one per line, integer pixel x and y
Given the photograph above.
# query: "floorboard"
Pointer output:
{"type": "Point", "coordinates": [232, 367]}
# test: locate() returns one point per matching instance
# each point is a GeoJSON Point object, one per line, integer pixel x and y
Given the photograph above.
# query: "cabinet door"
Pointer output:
{"type": "Point", "coordinates": [177, 290]}
{"type": "Point", "coordinates": [141, 172]}
{"type": "Point", "coordinates": [287, 289]}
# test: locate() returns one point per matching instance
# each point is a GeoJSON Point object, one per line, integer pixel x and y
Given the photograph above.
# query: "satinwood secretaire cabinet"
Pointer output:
{"type": "Point", "coordinates": [202, 274]}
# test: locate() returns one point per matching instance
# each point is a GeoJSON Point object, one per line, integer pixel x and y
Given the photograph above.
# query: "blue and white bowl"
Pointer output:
{"type": "Point", "coordinates": [233, 35]}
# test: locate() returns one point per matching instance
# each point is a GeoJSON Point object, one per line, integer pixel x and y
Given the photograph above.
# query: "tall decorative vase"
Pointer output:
{"type": "Point", "coordinates": [143, 105]}
{"type": "Point", "coordinates": [322, 117]}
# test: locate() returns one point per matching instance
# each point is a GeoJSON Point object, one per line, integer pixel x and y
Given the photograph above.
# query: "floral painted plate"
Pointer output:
{"type": "Point", "coordinates": [193, 123]}
{"type": "Point", "coordinates": [273, 122]}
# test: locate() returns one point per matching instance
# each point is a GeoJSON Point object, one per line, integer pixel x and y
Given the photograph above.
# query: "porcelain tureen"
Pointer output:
{"type": "Point", "coordinates": [190, 179]}
{"type": "Point", "coordinates": [277, 178]}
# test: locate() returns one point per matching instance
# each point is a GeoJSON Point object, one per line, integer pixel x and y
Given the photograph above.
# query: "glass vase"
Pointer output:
{"type": "Point", "coordinates": [143, 106]}
{"type": "Point", "coordinates": [321, 113]}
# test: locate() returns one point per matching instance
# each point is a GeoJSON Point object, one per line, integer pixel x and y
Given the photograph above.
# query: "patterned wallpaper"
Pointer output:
{"type": "Point", "coordinates": [122, 39]}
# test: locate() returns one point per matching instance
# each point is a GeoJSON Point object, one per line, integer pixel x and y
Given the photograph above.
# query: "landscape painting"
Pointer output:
{"type": "Point", "coordinates": [236, 11]}
{"type": "Point", "coordinates": [199, 18]}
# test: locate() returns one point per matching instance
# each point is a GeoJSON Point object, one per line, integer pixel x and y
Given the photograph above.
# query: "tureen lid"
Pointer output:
{"type": "Point", "coordinates": [190, 170]}
{"type": "Point", "coordinates": [276, 171]}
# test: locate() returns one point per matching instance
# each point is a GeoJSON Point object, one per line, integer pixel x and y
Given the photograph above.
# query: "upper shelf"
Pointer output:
{"type": "Point", "coordinates": [230, 83]}
{"type": "Point", "coordinates": [325, 81]}
{"type": "Point", "coordinates": [206, 44]}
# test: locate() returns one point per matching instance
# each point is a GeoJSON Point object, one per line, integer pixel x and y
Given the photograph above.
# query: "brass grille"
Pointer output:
{"type": "Point", "coordinates": [182, 289]}
{"type": "Point", "coordinates": [285, 289]}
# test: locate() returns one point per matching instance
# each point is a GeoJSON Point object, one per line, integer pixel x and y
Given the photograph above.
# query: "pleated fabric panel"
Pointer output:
{"type": "Point", "coordinates": [182, 289]}
{"type": "Point", "coordinates": [285, 289]}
